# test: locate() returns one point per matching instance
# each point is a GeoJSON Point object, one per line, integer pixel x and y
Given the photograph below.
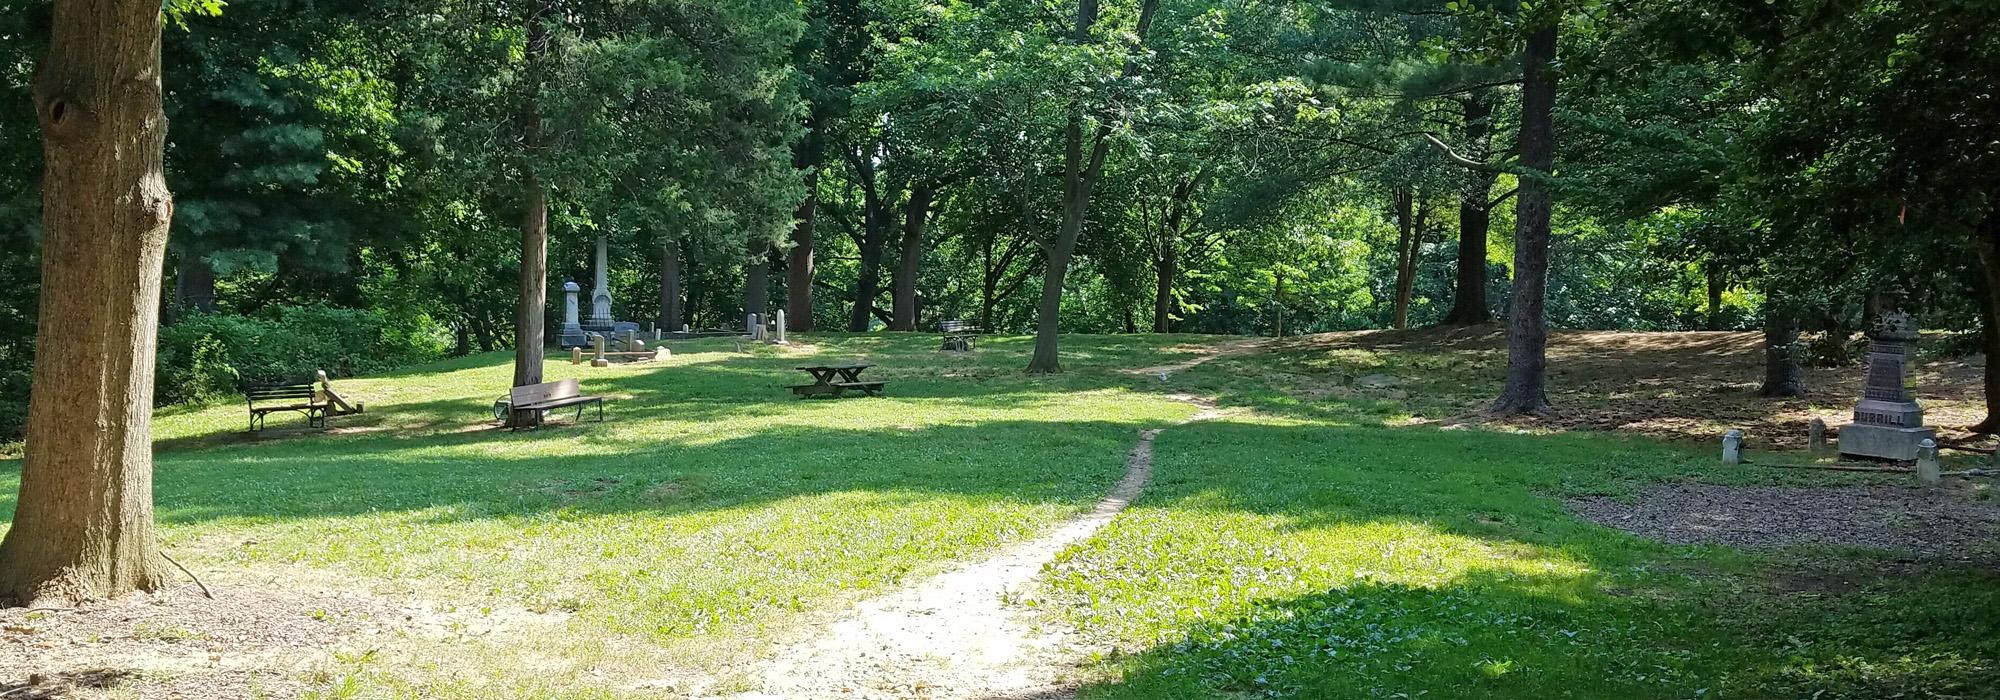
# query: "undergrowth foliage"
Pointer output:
{"type": "Point", "coordinates": [208, 355]}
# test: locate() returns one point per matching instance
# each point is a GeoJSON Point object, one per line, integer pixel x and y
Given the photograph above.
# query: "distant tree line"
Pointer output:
{"type": "Point", "coordinates": [441, 167]}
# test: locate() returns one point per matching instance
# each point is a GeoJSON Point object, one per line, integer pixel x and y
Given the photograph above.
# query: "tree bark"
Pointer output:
{"type": "Point", "coordinates": [1713, 273]}
{"type": "Point", "coordinates": [1526, 390]}
{"type": "Point", "coordinates": [904, 295]}
{"type": "Point", "coordinates": [1986, 243]}
{"type": "Point", "coordinates": [531, 314]}
{"type": "Point", "coordinates": [670, 286]}
{"type": "Point", "coordinates": [83, 522]}
{"type": "Point", "coordinates": [1783, 377]}
{"type": "Point", "coordinates": [1399, 315]}
{"type": "Point", "coordinates": [875, 218]}
{"type": "Point", "coordinates": [799, 267]}
{"type": "Point", "coordinates": [1468, 304]}
{"type": "Point", "coordinates": [1167, 256]}
{"type": "Point", "coordinates": [757, 279]}
{"type": "Point", "coordinates": [1080, 173]}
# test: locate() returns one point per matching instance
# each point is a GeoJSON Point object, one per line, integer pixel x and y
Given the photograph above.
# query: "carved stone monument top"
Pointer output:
{"type": "Point", "coordinates": [1888, 423]}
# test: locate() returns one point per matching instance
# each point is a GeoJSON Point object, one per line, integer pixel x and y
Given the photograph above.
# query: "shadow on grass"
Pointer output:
{"type": "Point", "coordinates": [1494, 635]}
{"type": "Point", "coordinates": [1274, 560]}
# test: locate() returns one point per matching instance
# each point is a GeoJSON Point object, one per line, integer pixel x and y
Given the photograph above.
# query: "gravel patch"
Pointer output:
{"type": "Point", "coordinates": [1925, 522]}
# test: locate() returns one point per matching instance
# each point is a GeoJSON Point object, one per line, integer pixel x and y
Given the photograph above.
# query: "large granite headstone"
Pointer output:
{"type": "Point", "coordinates": [572, 335]}
{"type": "Point", "coordinates": [1888, 423]}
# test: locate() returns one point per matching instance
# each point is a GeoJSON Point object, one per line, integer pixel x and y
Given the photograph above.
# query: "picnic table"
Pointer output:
{"type": "Point", "coordinates": [833, 381]}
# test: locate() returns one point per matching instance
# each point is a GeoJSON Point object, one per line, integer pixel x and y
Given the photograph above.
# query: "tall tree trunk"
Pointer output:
{"type": "Point", "coordinates": [1079, 178]}
{"type": "Point", "coordinates": [670, 286]}
{"type": "Point", "coordinates": [875, 218]}
{"type": "Point", "coordinates": [1468, 302]}
{"type": "Point", "coordinates": [868, 283]}
{"type": "Point", "coordinates": [83, 521]}
{"type": "Point", "coordinates": [482, 329]}
{"type": "Point", "coordinates": [1399, 315]}
{"type": "Point", "coordinates": [1280, 303]}
{"type": "Point", "coordinates": [757, 279]}
{"type": "Point", "coordinates": [1165, 268]}
{"type": "Point", "coordinates": [1167, 256]}
{"type": "Point", "coordinates": [799, 268]}
{"type": "Point", "coordinates": [1527, 315]}
{"type": "Point", "coordinates": [1080, 173]}
{"type": "Point", "coordinates": [1783, 377]}
{"type": "Point", "coordinates": [1713, 273]}
{"type": "Point", "coordinates": [692, 306]}
{"type": "Point", "coordinates": [1985, 242]}
{"type": "Point", "coordinates": [904, 294]}
{"type": "Point", "coordinates": [531, 314]}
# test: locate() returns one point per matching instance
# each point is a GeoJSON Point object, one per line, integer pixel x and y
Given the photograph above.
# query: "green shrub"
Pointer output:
{"type": "Point", "coordinates": [207, 355]}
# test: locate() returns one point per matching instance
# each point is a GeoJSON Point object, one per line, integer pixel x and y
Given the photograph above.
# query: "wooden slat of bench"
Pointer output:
{"type": "Point", "coordinates": [858, 385]}
{"type": "Point", "coordinates": [545, 392]}
{"type": "Point", "coordinates": [279, 392]}
{"type": "Point", "coordinates": [291, 407]}
{"type": "Point", "coordinates": [559, 403]}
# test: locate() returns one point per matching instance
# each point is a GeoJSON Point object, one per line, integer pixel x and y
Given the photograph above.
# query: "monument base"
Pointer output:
{"type": "Point", "coordinates": [572, 337]}
{"type": "Point", "coordinates": [1882, 441]}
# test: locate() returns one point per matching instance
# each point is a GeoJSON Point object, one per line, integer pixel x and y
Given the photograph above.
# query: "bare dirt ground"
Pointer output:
{"type": "Point", "coordinates": [1681, 386]}
{"type": "Point", "coordinates": [254, 639]}
{"type": "Point", "coordinates": [1931, 523]}
{"type": "Point", "coordinates": [962, 634]}
{"type": "Point", "coordinates": [179, 644]}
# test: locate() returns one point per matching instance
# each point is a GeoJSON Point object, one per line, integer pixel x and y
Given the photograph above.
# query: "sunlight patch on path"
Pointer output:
{"type": "Point", "coordinates": [956, 635]}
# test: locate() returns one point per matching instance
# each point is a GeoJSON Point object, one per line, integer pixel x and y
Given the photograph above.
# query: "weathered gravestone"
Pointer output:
{"type": "Point", "coordinates": [1888, 423]}
{"type": "Point", "coordinates": [572, 335]}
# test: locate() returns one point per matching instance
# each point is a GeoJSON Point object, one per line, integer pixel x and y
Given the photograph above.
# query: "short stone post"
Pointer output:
{"type": "Point", "coordinates": [780, 327]}
{"type": "Point", "coordinates": [576, 355]}
{"type": "Point", "coordinates": [1927, 463]}
{"type": "Point", "coordinates": [750, 325]}
{"type": "Point", "coordinates": [1732, 447]}
{"type": "Point", "coordinates": [597, 341]}
{"type": "Point", "coordinates": [631, 340]}
{"type": "Point", "coordinates": [658, 335]}
{"type": "Point", "coordinates": [685, 328]}
{"type": "Point", "coordinates": [1816, 438]}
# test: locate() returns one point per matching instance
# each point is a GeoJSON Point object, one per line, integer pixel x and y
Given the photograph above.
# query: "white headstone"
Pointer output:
{"type": "Point", "coordinates": [1732, 447]}
{"type": "Point", "coordinates": [1927, 463]}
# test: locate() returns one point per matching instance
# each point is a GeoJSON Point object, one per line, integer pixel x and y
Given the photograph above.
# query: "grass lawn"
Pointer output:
{"type": "Point", "coordinates": [1299, 546]}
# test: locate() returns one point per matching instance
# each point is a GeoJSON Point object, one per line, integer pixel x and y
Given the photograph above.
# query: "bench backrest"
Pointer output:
{"type": "Point", "coordinates": [546, 391]}
{"type": "Point", "coordinates": [278, 391]}
{"type": "Point", "coordinates": [953, 326]}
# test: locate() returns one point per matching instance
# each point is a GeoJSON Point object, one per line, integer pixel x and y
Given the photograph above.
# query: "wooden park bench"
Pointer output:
{"type": "Point", "coordinates": [267, 398]}
{"type": "Point", "coordinates": [833, 381]}
{"type": "Point", "coordinates": [317, 404]}
{"type": "Point", "coordinates": [957, 336]}
{"type": "Point", "coordinates": [536, 398]}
